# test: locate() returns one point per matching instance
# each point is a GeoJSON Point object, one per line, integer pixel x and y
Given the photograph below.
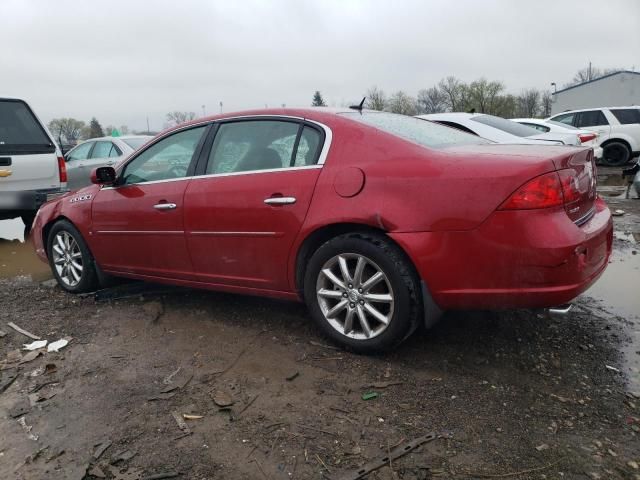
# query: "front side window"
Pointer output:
{"type": "Point", "coordinates": [252, 145]}
{"type": "Point", "coordinates": [627, 116]}
{"type": "Point", "coordinates": [566, 118]}
{"type": "Point", "coordinates": [165, 160]}
{"type": "Point", "coordinates": [592, 118]}
{"type": "Point", "coordinates": [81, 152]}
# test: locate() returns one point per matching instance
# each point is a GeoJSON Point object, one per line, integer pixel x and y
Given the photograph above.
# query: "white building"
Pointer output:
{"type": "Point", "coordinates": [613, 90]}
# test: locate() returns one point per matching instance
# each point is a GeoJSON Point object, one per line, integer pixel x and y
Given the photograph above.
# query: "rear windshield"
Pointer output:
{"type": "Point", "coordinates": [20, 132]}
{"type": "Point", "coordinates": [560, 124]}
{"type": "Point", "coordinates": [417, 130]}
{"type": "Point", "coordinates": [514, 128]}
{"type": "Point", "coordinates": [135, 142]}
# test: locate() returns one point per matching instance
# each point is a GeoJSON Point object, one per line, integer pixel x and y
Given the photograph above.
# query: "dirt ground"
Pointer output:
{"type": "Point", "coordinates": [516, 395]}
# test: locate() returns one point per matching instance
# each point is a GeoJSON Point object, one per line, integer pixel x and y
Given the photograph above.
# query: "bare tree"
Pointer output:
{"type": "Point", "coordinates": [454, 93]}
{"type": "Point", "coordinates": [376, 99]}
{"type": "Point", "coordinates": [431, 100]}
{"type": "Point", "coordinates": [529, 103]}
{"type": "Point", "coordinates": [402, 103]}
{"type": "Point", "coordinates": [176, 118]}
{"type": "Point", "coordinates": [482, 94]}
{"type": "Point", "coordinates": [68, 128]}
{"type": "Point", "coordinates": [590, 73]}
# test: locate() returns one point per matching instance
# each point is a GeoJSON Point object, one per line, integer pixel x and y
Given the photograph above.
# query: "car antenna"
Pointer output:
{"type": "Point", "coordinates": [359, 106]}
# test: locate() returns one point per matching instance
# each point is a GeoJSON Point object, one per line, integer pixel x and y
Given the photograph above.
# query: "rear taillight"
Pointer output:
{"type": "Point", "coordinates": [548, 190]}
{"type": "Point", "coordinates": [587, 137]}
{"type": "Point", "coordinates": [62, 170]}
{"type": "Point", "coordinates": [541, 192]}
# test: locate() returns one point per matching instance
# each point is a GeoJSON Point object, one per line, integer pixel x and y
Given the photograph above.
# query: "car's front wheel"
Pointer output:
{"type": "Point", "coordinates": [363, 292]}
{"type": "Point", "coordinates": [70, 259]}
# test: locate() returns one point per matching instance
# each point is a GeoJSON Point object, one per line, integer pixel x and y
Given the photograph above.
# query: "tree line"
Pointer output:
{"type": "Point", "coordinates": [481, 96]}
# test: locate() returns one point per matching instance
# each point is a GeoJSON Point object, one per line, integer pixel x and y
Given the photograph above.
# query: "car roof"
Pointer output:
{"type": "Point", "coordinates": [452, 115]}
{"type": "Point", "coordinates": [595, 108]}
{"type": "Point", "coordinates": [109, 138]}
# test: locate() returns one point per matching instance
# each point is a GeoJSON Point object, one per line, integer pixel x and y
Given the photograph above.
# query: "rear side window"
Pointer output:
{"type": "Point", "coordinates": [627, 116]}
{"type": "Point", "coordinates": [540, 128]}
{"type": "Point", "coordinates": [456, 125]}
{"type": "Point", "coordinates": [591, 118]}
{"type": "Point", "coordinates": [20, 131]}
{"type": "Point", "coordinates": [308, 151]}
{"type": "Point", "coordinates": [423, 132]}
{"type": "Point", "coordinates": [102, 150]}
{"type": "Point", "coordinates": [252, 145]}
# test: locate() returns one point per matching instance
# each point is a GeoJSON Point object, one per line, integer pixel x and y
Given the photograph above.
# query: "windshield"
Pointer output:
{"type": "Point", "coordinates": [417, 130]}
{"type": "Point", "coordinates": [20, 132]}
{"type": "Point", "coordinates": [136, 142]}
{"type": "Point", "coordinates": [514, 128]}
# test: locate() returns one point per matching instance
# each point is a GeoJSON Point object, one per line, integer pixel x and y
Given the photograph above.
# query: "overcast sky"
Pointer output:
{"type": "Point", "coordinates": [124, 61]}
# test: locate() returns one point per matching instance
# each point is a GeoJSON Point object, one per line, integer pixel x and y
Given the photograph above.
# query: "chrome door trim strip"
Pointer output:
{"type": "Point", "coordinates": [140, 232]}
{"type": "Point", "coordinates": [235, 234]}
{"type": "Point", "coordinates": [251, 172]}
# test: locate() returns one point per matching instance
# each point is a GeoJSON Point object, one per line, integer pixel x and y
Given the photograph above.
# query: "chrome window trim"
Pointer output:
{"type": "Point", "coordinates": [251, 172]}
{"type": "Point", "coordinates": [324, 153]}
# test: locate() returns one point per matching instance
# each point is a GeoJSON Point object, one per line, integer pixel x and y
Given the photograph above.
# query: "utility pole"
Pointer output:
{"type": "Point", "coordinates": [589, 74]}
{"type": "Point", "coordinates": [203, 111]}
{"type": "Point", "coordinates": [148, 129]}
{"type": "Point", "coordinates": [220, 106]}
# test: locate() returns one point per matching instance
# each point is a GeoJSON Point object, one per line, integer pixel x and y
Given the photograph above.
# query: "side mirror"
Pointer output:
{"type": "Point", "coordinates": [103, 176]}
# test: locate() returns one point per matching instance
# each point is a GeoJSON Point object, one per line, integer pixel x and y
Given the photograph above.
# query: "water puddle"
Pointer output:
{"type": "Point", "coordinates": [617, 292]}
{"type": "Point", "coordinates": [17, 257]}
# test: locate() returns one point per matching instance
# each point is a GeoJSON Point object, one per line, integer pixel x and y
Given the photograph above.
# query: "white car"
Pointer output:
{"type": "Point", "coordinates": [32, 169]}
{"type": "Point", "coordinates": [499, 129]}
{"type": "Point", "coordinates": [99, 152]}
{"type": "Point", "coordinates": [618, 130]}
{"type": "Point", "coordinates": [586, 137]}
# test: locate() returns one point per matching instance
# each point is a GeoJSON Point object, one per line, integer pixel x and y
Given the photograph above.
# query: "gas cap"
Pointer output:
{"type": "Point", "coordinates": [348, 182]}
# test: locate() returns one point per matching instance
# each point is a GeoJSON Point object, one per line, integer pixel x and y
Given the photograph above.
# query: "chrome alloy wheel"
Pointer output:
{"type": "Point", "coordinates": [355, 296]}
{"type": "Point", "coordinates": [67, 258]}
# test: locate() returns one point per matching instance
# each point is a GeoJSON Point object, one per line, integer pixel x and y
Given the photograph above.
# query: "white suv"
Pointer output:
{"type": "Point", "coordinates": [31, 165]}
{"type": "Point", "coordinates": [618, 130]}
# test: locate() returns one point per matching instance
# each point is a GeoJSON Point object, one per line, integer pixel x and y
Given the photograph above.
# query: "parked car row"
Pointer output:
{"type": "Point", "coordinates": [618, 130]}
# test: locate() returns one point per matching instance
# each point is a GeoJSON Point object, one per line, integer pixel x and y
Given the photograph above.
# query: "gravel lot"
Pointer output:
{"type": "Point", "coordinates": [509, 395]}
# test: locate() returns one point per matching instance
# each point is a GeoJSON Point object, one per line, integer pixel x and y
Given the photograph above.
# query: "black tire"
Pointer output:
{"type": "Point", "coordinates": [406, 312]}
{"type": "Point", "coordinates": [88, 280]}
{"type": "Point", "coordinates": [615, 154]}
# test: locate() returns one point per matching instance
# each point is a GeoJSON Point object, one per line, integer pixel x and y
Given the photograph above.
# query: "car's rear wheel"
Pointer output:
{"type": "Point", "coordinates": [70, 259]}
{"type": "Point", "coordinates": [363, 292]}
{"type": "Point", "coordinates": [615, 154]}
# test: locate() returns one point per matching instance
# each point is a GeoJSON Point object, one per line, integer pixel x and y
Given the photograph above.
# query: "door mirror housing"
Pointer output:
{"type": "Point", "coordinates": [103, 176]}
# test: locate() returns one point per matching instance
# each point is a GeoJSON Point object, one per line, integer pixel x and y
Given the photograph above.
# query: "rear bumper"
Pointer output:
{"type": "Point", "coordinates": [15, 204]}
{"type": "Point", "coordinates": [515, 259]}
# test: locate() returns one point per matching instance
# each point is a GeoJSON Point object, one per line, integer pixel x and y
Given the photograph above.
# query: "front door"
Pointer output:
{"type": "Point", "coordinates": [138, 224]}
{"type": "Point", "coordinates": [242, 216]}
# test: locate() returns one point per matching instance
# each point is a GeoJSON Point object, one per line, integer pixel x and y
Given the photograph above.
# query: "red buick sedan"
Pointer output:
{"type": "Point", "coordinates": [377, 221]}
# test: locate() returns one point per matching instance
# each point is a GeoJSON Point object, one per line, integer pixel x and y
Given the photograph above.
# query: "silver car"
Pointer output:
{"type": "Point", "coordinates": [99, 152]}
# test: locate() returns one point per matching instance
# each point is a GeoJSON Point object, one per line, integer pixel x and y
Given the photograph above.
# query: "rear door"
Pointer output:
{"type": "Point", "coordinates": [28, 159]}
{"type": "Point", "coordinates": [243, 214]}
{"type": "Point", "coordinates": [138, 224]}
{"type": "Point", "coordinates": [595, 121]}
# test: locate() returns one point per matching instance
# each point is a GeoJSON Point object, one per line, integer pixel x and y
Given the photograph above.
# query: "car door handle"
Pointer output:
{"type": "Point", "coordinates": [280, 200]}
{"type": "Point", "coordinates": [165, 206]}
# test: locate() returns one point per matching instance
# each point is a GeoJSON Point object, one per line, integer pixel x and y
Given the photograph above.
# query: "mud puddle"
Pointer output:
{"type": "Point", "coordinates": [17, 257]}
{"type": "Point", "coordinates": [617, 292]}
